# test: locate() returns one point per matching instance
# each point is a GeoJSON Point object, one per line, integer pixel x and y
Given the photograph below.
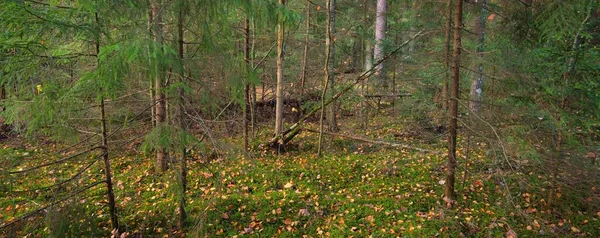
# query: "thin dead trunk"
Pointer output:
{"type": "Point", "coordinates": [329, 75]}
{"type": "Point", "coordinates": [305, 56]}
{"type": "Point", "coordinates": [330, 64]}
{"type": "Point", "coordinates": [182, 122]}
{"type": "Point", "coordinates": [368, 64]}
{"type": "Point", "coordinates": [247, 117]}
{"type": "Point", "coordinates": [105, 156]}
{"type": "Point", "coordinates": [152, 91]}
{"type": "Point", "coordinates": [447, 31]}
{"type": "Point", "coordinates": [453, 117]}
{"type": "Point", "coordinates": [252, 57]}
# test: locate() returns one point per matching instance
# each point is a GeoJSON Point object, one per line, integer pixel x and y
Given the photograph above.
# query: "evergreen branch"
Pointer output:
{"type": "Point", "coordinates": [28, 215]}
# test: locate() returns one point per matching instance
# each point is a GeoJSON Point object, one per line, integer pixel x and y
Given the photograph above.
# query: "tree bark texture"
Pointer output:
{"type": "Point", "coordinates": [379, 49]}
{"type": "Point", "coordinates": [160, 99]}
{"type": "Point", "coordinates": [329, 75]}
{"type": "Point", "coordinates": [280, 76]}
{"type": "Point", "coordinates": [247, 116]}
{"type": "Point", "coordinates": [447, 30]}
{"type": "Point", "coordinates": [330, 65]}
{"type": "Point", "coordinates": [453, 117]}
{"type": "Point", "coordinates": [182, 121]}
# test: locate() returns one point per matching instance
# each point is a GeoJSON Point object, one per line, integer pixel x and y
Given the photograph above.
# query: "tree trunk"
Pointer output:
{"type": "Point", "coordinates": [304, 57]}
{"type": "Point", "coordinates": [152, 92]}
{"type": "Point", "coordinates": [329, 75]}
{"type": "Point", "coordinates": [452, 122]}
{"type": "Point", "coordinates": [477, 84]}
{"type": "Point", "coordinates": [105, 156]}
{"type": "Point", "coordinates": [182, 121]}
{"type": "Point", "coordinates": [280, 76]}
{"type": "Point", "coordinates": [368, 64]}
{"type": "Point", "coordinates": [379, 50]}
{"type": "Point", "coordinates": [2, 94]}
{"type": "Point", "coordinates": [252, 57]}
{"type": "Point", "coordinates": [330, 64]}
{"type": "Point", "coordinates": [247, 117]}
{"type": "Point", "coordinates": [160, 99]}
{"type": "Point", "coordinates": [447, 30]}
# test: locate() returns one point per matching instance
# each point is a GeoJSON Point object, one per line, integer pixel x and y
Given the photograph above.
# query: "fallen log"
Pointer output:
{"type": "Point", "coordinates": [378, 142]}
{"type": "Point", "coordinates": [278, 141]}
{"type": "Point", "coordinates": [388, 96]}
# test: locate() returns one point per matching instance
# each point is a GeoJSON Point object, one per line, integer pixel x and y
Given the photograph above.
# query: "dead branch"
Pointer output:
{"type": "Point", "coordinates": [57, 161]}
{"type": "Point", "coordinates": [49, 205]}
{"type": "Point", "coordinates": [378, 142]}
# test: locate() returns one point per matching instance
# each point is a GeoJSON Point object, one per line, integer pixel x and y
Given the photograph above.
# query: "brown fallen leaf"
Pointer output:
{"type": "Point", "coordinates": [304, 212]}
{"type": "Point", "coordinates": [510, 234]}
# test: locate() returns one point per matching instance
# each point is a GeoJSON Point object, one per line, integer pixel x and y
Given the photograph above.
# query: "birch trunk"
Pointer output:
{"type": "Point", "coordinates": [280, 77]}
{"type": "Point", "coordinates": [379, 51]}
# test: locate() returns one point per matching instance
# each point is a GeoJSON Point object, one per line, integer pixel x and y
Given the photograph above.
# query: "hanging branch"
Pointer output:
{"type": "Point", "coordinates": [293, 130]}
{"type": "Point", "coordinates": [28, 215]}
{"type": "Point", "coordinates": [77, 175]}
{"type": "Point", "coordinates": [57, 161]}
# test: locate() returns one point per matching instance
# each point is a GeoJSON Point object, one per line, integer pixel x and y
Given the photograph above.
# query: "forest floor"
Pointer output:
{"type": "Point", "coordinates": [355, 189]}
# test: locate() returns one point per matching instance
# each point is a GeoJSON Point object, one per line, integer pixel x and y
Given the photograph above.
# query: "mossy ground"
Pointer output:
{"type": "Point", "coordinates": [355, 190]}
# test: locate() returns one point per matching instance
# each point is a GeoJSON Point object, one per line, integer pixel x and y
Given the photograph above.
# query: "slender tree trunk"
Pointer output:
{"type": "Point", "coordinates": [182, 120]}
{"type": "Point", "coordinates": [330, 64]}
{"type": "Point", "coordinates": [152, 91]}
{"type": "Point", "coordinates": [329, 75]}
{"type": "Point", "coordinates": [252, 57]}
{"type": "Point", "coordinates": [447, 31]}
{"type": "Point", "coordinates": [280, 77]}
{"type": "Point", "coordinates": [368, 64]}
{"type": "Point", "coordinates": [305, 56]}
{"type": "Point", "coordinates": [161, 109]}
{"type": "Point", "coordinates": [105, 156]}
{"type": "Point", "coordinates": [477, 85]}
{"type": "Point", "coordinates": [2, 94]}
{"type": "Point", "coordinates": [452, 122]}
{"type": "Point", "coordinates": [379, 49]}
{"type": "Point", "coordinates": [364, 112]}
{"type": "Point", "coordinates": [394, 74]}
{"type": "Point", "coordinates": [247, 117]}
